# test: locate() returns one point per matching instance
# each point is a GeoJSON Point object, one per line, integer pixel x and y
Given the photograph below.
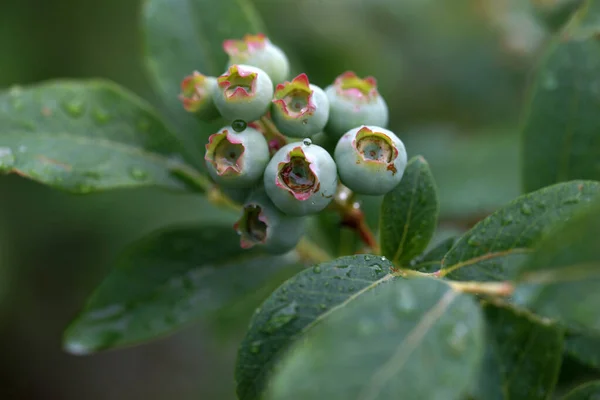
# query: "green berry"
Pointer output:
{"type": "Point", "coordinates": [262, 224]}
{"type": "Point", "coordinates": [243, 93]}
{"type": "Point", "coordinates": [197, 92]}
{"type": "Point", "coordinates": [370, 160]}
{"type": "Point", "coordinates": [353, 102]}
{"type": "Point", "coordinates": [300, 109]}
{"type": "Point", "coordinates": [258, 51]}
{"type": "Point", "coordinates": [236, 159]}
{"type": "Point", "coordinates": [301, 178]}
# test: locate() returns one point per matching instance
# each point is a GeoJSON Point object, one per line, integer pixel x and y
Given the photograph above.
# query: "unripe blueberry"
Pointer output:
{"type": "Point", "coordinates": [244, 93]}
{"type": "Point", "coordinates": [263, 224]}
{"type": "Point", "coordinates": [258, 51]}
{"type": "Point", "coordinates": [370, 160]}
{"type": "Point", "coordinates": [197, 93]}
{"type": "Point", "coordinates": [353, 102]}
{"type": "Point", "coordinates": [301, 178]}
{"type": "Point", "coordinates": [236, 159]}
{"type": "Point", "coordinates": [300, 109]}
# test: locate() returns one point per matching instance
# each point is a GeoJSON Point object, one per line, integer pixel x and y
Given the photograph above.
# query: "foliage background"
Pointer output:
{"type": "Point", "coordinates": [454, 74]}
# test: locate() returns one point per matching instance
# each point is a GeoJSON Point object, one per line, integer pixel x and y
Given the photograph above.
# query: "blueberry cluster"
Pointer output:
{"type": "Point", "coordinates": [265, 158]}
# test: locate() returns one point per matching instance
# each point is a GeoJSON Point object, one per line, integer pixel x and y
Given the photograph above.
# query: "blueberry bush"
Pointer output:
{"type": "Point", "coordinates": [287, 165]}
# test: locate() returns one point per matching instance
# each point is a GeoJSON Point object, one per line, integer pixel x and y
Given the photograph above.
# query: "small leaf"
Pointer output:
{"type": "Point", "coordinates": [432, 260]}
{"type": "Point", "coordinates": [585, 347]}
{"type": "Point", "coordinates": [409, 214]}
{"type": "Point", "coordinates": [587, 391]}
{"type": "Point", "coordinates": [85, 137]}
{"type": "Point", "coordinates": [409, 339]}
{"type": "Point", "coordinates": [296, 307]}
{"type": "Point", "coordinates": [523, 356]}
{"type": "Point", "coordinates": [560, 280]}
{"type": "Point", "coordinates": [165, 281]}
{"type": "Point", "coordinates": [560, 133]}
{"type": "Point", "coordinates": [182, 36]}
{"type": "Point", "coordinates": [494, 247]}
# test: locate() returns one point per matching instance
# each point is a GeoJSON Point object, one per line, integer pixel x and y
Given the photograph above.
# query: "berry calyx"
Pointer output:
{"type": "Point", "coordinates": [243, 93]}
{"type": "Point", "coordinates": [258, 51]}
{"type": "Point", "coordinates": [300, 109]}
{"type": "Point", "coordinates": [264, 225]}
{"type": "Point", "coordinates": [370, 159]}
{"type": "Point", "coordinates": [354, 101]}
{"type": "Point", "coordinates": [301, 178]}
{"type": "Point", "coordinates": [236, 159]}
{"type": "Point", "coordinates": [197, 95]}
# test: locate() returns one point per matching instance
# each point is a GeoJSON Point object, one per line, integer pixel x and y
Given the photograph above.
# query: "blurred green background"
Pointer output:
{"type": "Point", "coordinates": [453, 72]}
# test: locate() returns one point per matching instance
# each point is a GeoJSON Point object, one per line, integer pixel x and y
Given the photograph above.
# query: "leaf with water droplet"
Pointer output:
{"type": "Point", "coordinates": [409, 214]}
{"type": "Point", "coordinates": [64, 147]}
{"type": "Point", "coordinates": [502, 246]}
{"type": "Point", "coordinates": [560, 279]}
{"type": "Point", "coordinates": [311, 296]}
{"type": "Point", "coordinates": [523, 356]}
{"type": "Point", "coordinates": [168, 285]}
{"type": "Point", "coordinates": [378, 348]}
{"type": "Point", "coordinates": [560, 133]}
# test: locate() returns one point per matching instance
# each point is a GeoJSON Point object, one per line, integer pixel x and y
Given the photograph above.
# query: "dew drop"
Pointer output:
{"type": "Point", "coordinates": [507, 220]}
{"type": "Point", "coordinates": [457, 339]}
{"type": "Point", "coordinates": [549, 81]}
{"type": "Point", "coordinates": [305, 122]}
{"type": "Point", "coordinates": [138, 174]}
{"type": "Point", "coordinates": [307, 142]}
{"type": "Point", "coordinates": [572, 200]}
{"type": "Point", "coordinates": [74, 108]}
{"type": "Point", "coordinates": [526, 209]}
{"type": "Point", "coordinates": [281, 317]}
{"type": "Point", "coordinates": [255, 347]}
{"type": "Point", "coordinates": [238, 125]}
{"type": "Point", "coordinates": [100, 116]}
{"type": "Point", "coordinates": [383, 259]}
{"type": "Point", "coordinates": [473, 241]}
{"type": "Point", "coordinates": [7, 159]}
{"type": "Point", "coordinates": [377, 268]}
{"type": "Point", "coordinates": [405, 301]}
{"type": "Point", "coordinates": [317, 269]}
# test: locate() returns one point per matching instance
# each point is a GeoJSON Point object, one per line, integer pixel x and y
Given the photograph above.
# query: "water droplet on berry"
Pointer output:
{"type": "Point", "coordinates": [74, 108]}
{"type": "Point", "coordinates": [307, 142]}
{"type": "Point", "coordinates": [238, 125]}
{"type": "Point", "coordinates": [317, 270]}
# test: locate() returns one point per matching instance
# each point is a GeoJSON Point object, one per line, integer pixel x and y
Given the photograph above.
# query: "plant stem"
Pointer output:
{"type": "Point", "coordinates": [353, 217]}
{"type": "Point", "coordinates": [311, 252]}
{"type": "Point", "coordinates": [272, 134]}
{"type": "Point", "coordinates": [490, 288]}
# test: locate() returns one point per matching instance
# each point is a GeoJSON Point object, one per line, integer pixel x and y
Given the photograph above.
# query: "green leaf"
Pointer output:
{"type": "Point", "coordinates": [85, 136]}
{"type": "Point", "coordinates": [182, 36]}
{"type": "Point", "coordinates": [560, 133]}
{"type": "Point", "coordinates": [295, 308]}
{"type": "Point", "coordinates": [165, 281]}
{"type": "Point", "coordinates": [432, 260]}
{"type": "Point", "coordinates": [587, 391]}
{"type": "Point", "coordinates": [492, 249]}
{"type": "Point", "coordinates": [409, 214]}
{"type": "Point", "coordinates": [585, 347]}
{"type": "Point", "coordinates": [523, 356]}
{"type": "Point", "coordinates": [561, 279]}
{"type": "Point", "coordinates": [409, 339]}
